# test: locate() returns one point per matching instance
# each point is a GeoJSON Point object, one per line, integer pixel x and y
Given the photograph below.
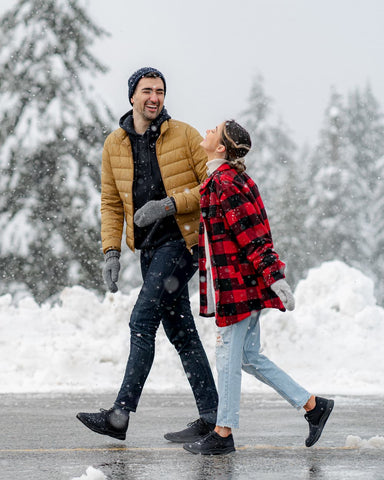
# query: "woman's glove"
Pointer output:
{"type": "Point", "coordinates": [154, 210]}
{"type": "Point", "coordinates": [283, 290]}
{"type": "Point", "coordinates": [111, 269]}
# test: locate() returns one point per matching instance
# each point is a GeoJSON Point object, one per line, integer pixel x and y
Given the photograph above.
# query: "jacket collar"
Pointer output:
{"type": "Point", "coordinates": [222, 168]}
{"type": "Point", "coordinates": [214, 164]}
{"type": "Point", "coordinates": [126, 123]}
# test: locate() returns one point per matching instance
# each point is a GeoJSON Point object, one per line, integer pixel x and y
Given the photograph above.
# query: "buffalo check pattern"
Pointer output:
{"type": "Point", "coordinates": [244, 262]}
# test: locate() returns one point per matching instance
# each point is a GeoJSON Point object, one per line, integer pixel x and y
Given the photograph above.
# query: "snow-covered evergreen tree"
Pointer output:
{"type": "Point", "coordinates": [255, 119]}
{"type": "Point", "coordinates": [346, 187]}
{"type": "Point", "coordinates": [366, 135]}
{"type": "Point", "coordinates": [291, 210]}
{"type": "Point", "coordinates": [331, 188]}
{"type": "Point", "coordinates": [272, 164]}
{"type": "Point", "coordinates": [51, 136]}
{"type": "Point", "coordinates": [377, 217]}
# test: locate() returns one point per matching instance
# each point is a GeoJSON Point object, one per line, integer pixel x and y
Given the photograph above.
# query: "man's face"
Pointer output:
{"type": "Point", "coordinates": [148, 98]}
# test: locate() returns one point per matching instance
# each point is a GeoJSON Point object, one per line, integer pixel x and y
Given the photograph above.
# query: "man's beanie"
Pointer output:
{"type": "Point", "coordinates": [138, 75]}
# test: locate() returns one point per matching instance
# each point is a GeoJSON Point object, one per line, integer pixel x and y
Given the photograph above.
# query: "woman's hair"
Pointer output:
{"type": "Point", "coordinates": [237, 143]}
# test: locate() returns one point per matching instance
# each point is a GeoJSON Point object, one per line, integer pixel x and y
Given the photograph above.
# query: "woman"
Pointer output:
{"type": "Point", "coordinates": [240, 274]}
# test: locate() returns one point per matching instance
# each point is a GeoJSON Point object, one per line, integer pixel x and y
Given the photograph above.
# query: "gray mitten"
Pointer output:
{"type": "Point", "coordinates": [283, 290]}
{"type": "Point", "coordinates": [154, 210]}
{"type": "Point", "coordinates": [111, 269]}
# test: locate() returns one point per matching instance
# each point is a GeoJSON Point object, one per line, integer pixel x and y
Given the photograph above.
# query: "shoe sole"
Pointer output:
{"type": "Point", "coordinates": [171, 437]}
{"type": "Point", "coordinates": [119, 436]}
{"type": "Point", "coordinates": [212, 452]}
{"type": "Point", "coordinates": [322, 423]}
{"type": "Point", "coordinates": [183, 440]}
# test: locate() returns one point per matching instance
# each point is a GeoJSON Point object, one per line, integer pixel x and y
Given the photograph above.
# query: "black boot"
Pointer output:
{"type": "Point", "coordinates": [211, 444]}
{"type": "Point", "coordinates": [317, 418]}
{"type": "Point", "coordinates": [112, 422]}
{"type": "Point", "coordinates": [194, 431]}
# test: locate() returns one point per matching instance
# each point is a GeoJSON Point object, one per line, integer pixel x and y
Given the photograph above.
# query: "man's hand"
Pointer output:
{"type": "Point", "coordinates": [283, 290]}
{"type": "Point", "coordinates": [111, 269]}
{"type": "Point", "coordinates": [154, 210]}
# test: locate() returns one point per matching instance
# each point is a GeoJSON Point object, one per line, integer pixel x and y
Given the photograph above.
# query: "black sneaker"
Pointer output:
{"type": "Point", "coordinates": [194, 431]}
{"type": "Point", "coordinates": [317, 418]}
{"type": "Point", "coordinates": [112, 422]}
{"type": "Point", "coordinates": [211, 444]}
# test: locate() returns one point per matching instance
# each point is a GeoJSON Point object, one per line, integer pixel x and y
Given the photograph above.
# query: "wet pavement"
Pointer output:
{"type": "Point", "coordinates": [42, 440]}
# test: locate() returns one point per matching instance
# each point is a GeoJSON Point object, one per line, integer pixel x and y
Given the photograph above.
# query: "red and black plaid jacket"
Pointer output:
{"type": "Point", "coordinates": [244, 263]}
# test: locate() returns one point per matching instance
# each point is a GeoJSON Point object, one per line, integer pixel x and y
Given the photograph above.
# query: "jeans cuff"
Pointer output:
{"type": "Point", "coordinates": [123, 407]}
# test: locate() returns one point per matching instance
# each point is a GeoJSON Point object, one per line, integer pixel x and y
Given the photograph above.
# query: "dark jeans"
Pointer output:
{"type": "Point", "coordinates": [164, 297]}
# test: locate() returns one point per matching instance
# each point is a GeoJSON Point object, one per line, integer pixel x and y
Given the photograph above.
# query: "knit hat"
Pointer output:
{"type": "Point", "coordinates": [138, 75]}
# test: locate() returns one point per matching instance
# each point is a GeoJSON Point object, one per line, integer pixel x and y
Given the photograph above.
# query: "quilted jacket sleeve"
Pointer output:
{"type": "Point", "coordinates": [248, 224]}
{"type": "Point", "coordinates": [189, 200]}
{"type": "Point", "coordinates": [112, 210]}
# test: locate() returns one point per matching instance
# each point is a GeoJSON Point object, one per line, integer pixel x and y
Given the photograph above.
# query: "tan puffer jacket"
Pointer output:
{"type": "Point", "coordinates": [183, 167]}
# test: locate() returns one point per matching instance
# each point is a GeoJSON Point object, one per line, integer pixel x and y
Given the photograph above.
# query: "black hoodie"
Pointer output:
{"type": "Point", "coordinates": [147, 183]}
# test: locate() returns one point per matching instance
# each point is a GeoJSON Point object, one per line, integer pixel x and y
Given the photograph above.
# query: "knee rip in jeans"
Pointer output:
{"type": "Point", "coordinates": [219, 340]}
{"type": "Point", "coordinates": [221, 350]}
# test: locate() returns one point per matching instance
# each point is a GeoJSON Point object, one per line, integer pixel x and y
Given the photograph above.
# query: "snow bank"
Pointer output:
{"type": "Point", "coordinates": [353, 441]}
{"type": "Point", "coordinates": [91, 474]}
{"type": "Point", "coordinates": [331, 343]}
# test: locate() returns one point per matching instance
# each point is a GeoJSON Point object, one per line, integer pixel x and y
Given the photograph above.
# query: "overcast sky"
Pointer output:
{"type": "Point", "coordinates": [211, 50]}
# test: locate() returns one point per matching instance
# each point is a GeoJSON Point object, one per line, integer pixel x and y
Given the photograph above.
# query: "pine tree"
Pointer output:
{"type": "Point", "coordinates": [272, 164]}
{"type": "Point", "coordinates": [377, 217]}
{"type": "Point", "coordinates": [346, 189]}
{"type": "Point", "coordinates": [50, 146]}
{"type": "Point", "coordinates": [330, 223]}
{"type": "Point", "coordinates": [366, 135]}
{"type": "Point", "coordinates": [256, 118]}
{"type": "Point", "coordinates": [290, 210]}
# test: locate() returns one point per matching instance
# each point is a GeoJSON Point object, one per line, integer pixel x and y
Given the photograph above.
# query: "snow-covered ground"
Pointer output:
{"type": "Point", "coordinates": [331, 343]}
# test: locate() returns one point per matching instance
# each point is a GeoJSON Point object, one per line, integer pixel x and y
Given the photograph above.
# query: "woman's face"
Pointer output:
{"type": "Point", "coordinates": [212, 139]}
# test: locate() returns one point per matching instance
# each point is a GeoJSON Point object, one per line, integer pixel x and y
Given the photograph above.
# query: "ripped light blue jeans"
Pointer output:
{"type": "Point", "coordinates": [237, 348]}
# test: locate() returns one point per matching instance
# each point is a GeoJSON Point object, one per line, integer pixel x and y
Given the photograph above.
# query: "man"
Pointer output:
{"type": "Point", "coordinates": [152, 168]}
